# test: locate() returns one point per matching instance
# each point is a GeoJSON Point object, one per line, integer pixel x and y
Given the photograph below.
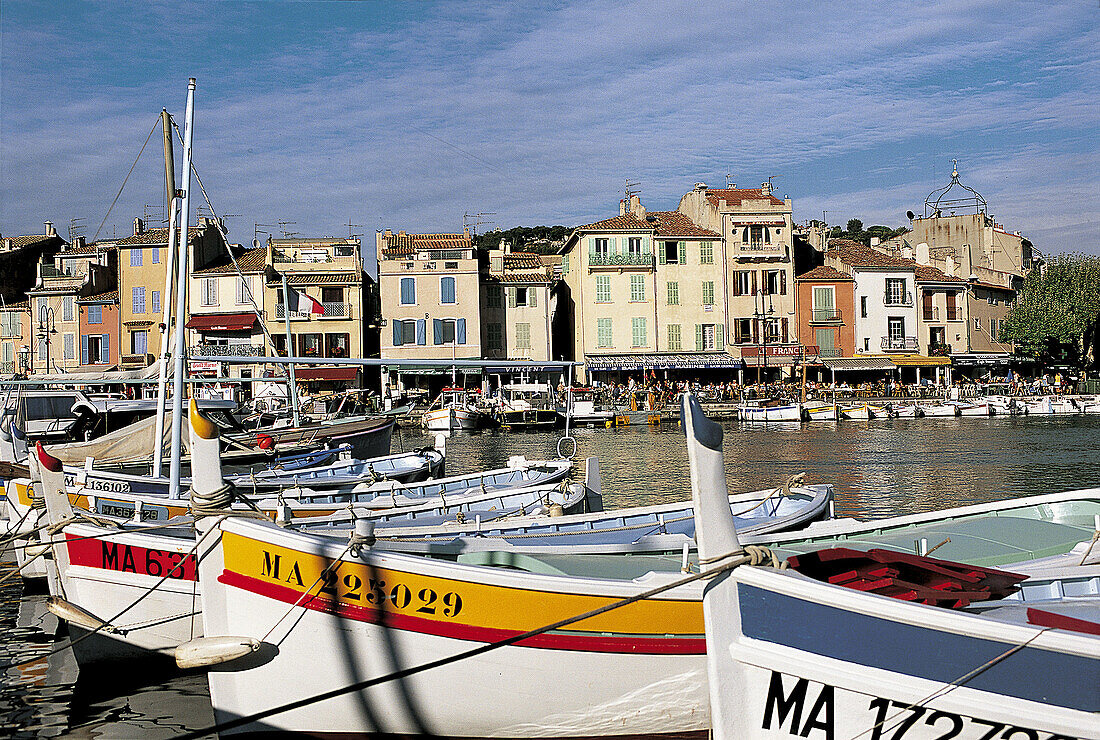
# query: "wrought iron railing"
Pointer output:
{"type": "Point", "coordinates": [896, 344]}
{"type": "Point", "coordinates": [830, 352]}
{"type": "Point", "coordinates": [939, 350]}
{"type": "Point", "coordinates": [332, 310]}
{"type": "Point", "coordinates": [825, 315]}
{"type": "Point", "coordinates": [759, 245]}
{"type": "Point", "coordinates": [896, 298]}
{"type": "Point", "coordinates": [7, 368]}
{"type": "Point", "coordinates": [603, 259]}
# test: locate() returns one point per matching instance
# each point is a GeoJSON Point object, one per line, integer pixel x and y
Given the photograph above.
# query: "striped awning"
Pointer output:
{"type": "Point", "coordinates": [919, 361]}
{"type": "Point", "coordinates": [858, 363]}
{"type": "Point", "coordinates": [661, 361]}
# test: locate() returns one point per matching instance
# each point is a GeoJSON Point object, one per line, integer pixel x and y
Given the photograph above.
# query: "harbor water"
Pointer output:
{"type": "Point", "coordinates": [879, 468]}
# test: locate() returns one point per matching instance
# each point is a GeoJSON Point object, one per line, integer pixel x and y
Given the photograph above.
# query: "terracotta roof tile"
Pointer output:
{"type": "Point", "coordinates": [18, 306]}
{"type": "Point", "coordinates": [18, 242]}
{"type": "Point", "coordinates": [519, 277]}
{"type": "Point", "coordinates": [858, 255]}
{"type": "Point", "coordinates": [150, 237]}
{"type": "Point", "coordinates": [396, 245]}
{"type": "Point", "coordinates": [926, 273]}
{"type": "Point", "coordinates": [319, 278]}
{"type": "Point", "coordinates": [824, 273]}
{"type": "Point", "coordinates": [110, 295]}
{"type": "Point", "coordinates": [674, 223]}
{"type": "Point", "coordinates": [734, 196]}
{"type": "Point", "coordinates": [522, 261]}
{"type": "Point", "coordinates": [629, 222]}
{"type": "Point", "coordinates": [88, 249]}
{"type": "Point", "coordinates": [252, 260]}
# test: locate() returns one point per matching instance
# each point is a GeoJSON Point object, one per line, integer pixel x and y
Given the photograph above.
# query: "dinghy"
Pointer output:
{"type": "Point", "coordinates": [890, 643]}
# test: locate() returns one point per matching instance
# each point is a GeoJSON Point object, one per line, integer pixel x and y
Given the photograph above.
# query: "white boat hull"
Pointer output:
{"type": "Point", "coordinates": [791, 412]}
{"type": "Point", "coordinates": [444, 420]}
{"type": "Point", "coordinates": [859, 413]}
{"type": "Point", "coordinates": [821, 413]}
{"type": "Point", "coordinates": [940, 410]}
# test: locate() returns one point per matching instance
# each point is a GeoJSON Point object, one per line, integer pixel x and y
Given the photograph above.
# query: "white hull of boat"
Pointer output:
{"type": "Point", "coordinates": [821, 413]}
{"type": "Point", "coordinates": [791, 412]}
{"type": "Point", "coordinates": [940, 410]}
{"type": "Point", "coordinates": [450, 419]}
{"type": "Point", "coordinates": [905, 411]}
{"type": "Point", "coordinates": [974, 409]}
{"type": "Point", "coordinates": [857, 413]}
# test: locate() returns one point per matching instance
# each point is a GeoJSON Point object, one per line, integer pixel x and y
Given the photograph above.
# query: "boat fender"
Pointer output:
{"type": "Point", "coordinates": [208, 651]}
{"type": "Point", "coordinates": [556, 510]}
{"type": "Point", "coordinates": [73, 614]}
{"type": "Point", "coordinates": [441, 443]}
{"type": "Point", "coordinates": [33, 551]}
{"type": "Point", "coordinates": [362, 536]}
{"type": "Point", "coordinates": [265, 441]}
{"type": "Point", "coordinates": [517, 462]}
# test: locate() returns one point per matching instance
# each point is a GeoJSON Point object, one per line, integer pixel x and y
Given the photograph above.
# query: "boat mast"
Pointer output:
{"type": "Point", "coordinates": [292, 389]}
{"type": "Point", "coordinates": [181, 299]}
{"type": "Point", "coordinates": [166, 301]}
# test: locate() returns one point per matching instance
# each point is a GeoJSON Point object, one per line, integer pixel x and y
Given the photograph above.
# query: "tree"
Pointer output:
{"type": "Point", "coordinates": [1058, 310]}
{"type": "Point", "coordinates": [855, 228]}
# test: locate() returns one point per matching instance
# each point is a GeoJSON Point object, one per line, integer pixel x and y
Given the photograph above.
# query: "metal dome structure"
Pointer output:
{"type": "Point", "coordinates": [938, 200]}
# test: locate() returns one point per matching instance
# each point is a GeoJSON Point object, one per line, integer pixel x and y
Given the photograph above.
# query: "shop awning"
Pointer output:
{"type": "Point", "coordinates": [919, 361]}
{"type": "Point", "coordinates": [858, 363]}
{"type": "Point", "coordinates": [661, 361]}
{"type": "Point", "coordinates": [222, 322]}
{"type": "Point", "coordinates": [335, 372]}
{"type": "Point", "coordinates": [982, 358]}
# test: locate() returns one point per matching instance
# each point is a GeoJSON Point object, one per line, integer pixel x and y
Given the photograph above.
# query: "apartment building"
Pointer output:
{"type": "Point", "coordinates": [99, 326]}
{"type": "Point", "coordinates": [16, 338]}
{"type": "Point", "coordinates": [825, 306]}
{"type": "Point", "coordinates": [517, 306]}
{"type": "Point", "coordinates": [942, 313]}
{"type": "Point", "coordinates": [757, 233]}
{"type": "Point", "coordinates": [646, 292]}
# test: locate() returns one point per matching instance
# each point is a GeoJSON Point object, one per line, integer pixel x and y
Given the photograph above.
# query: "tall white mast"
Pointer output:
{"type": "Point", "coordinates": [181, 299]}
{"type": "Point", "coordinates": [166, 296]}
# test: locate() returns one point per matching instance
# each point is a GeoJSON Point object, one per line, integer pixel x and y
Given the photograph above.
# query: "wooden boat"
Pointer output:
{"type": "Point", "coordinates": [452, 410]}
{"type": "Point", "coordinates": [766, 413]}
{"type": "Point", "coordinates": [939, 409]}
{"type": "Point", "coordinates": [855, 411]}
{"type": "Point", "coordinates": [368, 436]}
{"type": "Point", "coordinates": [791, 655]}
{"type": "Point", "coordinates": [820, 411]}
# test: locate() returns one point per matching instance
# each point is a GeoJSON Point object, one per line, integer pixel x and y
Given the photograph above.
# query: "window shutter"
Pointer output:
{"type": "Point", "coordinates": [783, 338]}
{"type": "Point", "coordinates": [591, 249]}
{"type": "Point", "coordinates": [397, 333]}
{"type": "Point", "coordinates": [437, 331]}
{"type": "Point", "coordinates": [756, 331]}
{"type": "Point", "coordinates": [421, 332]}
{"type": "Point", "coordinates": [720, 337]}
{"type": "Point", "coordinates": [754, 282]}
{"type": "Point", "coordinates": [532, 297]}
{"type": "Point", "coordinates": [698, 337]}
{"type": "Point", "coordinates": [511, 297]}
{"type": "Point", "coordinates": [682, 251]}
{"type": "Point", "coordinates": [783, 283]}
{"type": "Point", "coordinates": [737, 283]}
{"type": "Point", "coordinates": [460, 331]}
{"type": "Point", "coordinates": [764, 284]}
{"type": "Point", "coordinates": [647, 246]}
{"type": "Point", "coordinates": [106, 348]}
{"type": "Point", "coordinates": [565, 264]}
{"type": "Point", "coordinates": [83, 349]}
{"type": "Point", "coordinates": [661, 254]}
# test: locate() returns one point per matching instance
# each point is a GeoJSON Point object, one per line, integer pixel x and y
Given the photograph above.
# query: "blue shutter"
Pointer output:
{"type": "Point", "coordinates": [83, 349]}
{"type": "Point", "coordinates": [106, 358]}
{"type": "Point", "coordinates": [155, 298]}
{"type": "Point", "coordinates": [460, 331]}
{"type": "Point", "coordinates": [447, 289]}
{"type": "Point", "coordinates": [421, 332]}
{"type": "Point", "coordinates": [437, 331]}
{"type": "Point", "coordinates": [397, 333]}
{"type": "Point", "coordinates": [156, 255]}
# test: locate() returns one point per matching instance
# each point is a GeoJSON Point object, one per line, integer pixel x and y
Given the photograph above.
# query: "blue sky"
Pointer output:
{"type": "Point", "coordinates": [408, 115]}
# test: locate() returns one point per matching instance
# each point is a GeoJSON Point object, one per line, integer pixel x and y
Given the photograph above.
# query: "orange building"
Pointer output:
{"type": "Point", "coordinates": [825, 306]}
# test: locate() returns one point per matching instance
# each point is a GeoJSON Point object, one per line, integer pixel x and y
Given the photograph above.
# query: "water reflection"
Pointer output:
{"type": "Point", "coordinates": [879, 468]}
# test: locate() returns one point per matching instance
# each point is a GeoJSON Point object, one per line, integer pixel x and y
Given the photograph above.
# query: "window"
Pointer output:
{"type": "Point", "coordinates": [98, 349]}
{"type": "Point", "coordinates": [634, 246]}
{"type": "Point", "coordinates": [994, 329]}
{"type": "Point", "coordinates": [672, 253]}
{"type": "Point", "coordinates": [775, 282]}
{"type": "Point", "coordinates": [706, 334]}
{"type": "Point", "coordinates": [408, 291]}
{"type": "Point", "coordinates": [408, 332]}
{"type": "Point", "coordinates": [337, 345]}
{"type": "Point", "coordinates": [8, 352]}
{"type": "Point", "coordinates": [742, 282]}
{"type": "Point", "coordinates": [866, 344]}
{"type": "Point", "coordinates": [492, 297]}
{"type": "Point", "coordinates": [708, 292]}
{"type": "Point", "coordinates": [139, 342]}
{"type": "Point", "coordinates": [674, 343]}
{"type": "Point", "coordinates": [344, 250]}
{"type": "Point", "coordinates": [952, 308]}
{"type": "Point", "coordinates": [137, 302]}
{"type": "Point", "coordinates": [603, 332]}
{"type": "Point", "coordinates": [11, 324]}
{"type": "Point", "coordinates": [603, 289]}
{"type": "Point", "coordinates": [95, 314]}
{"type": "Point", "coordinates": [209, 291]}
{"type": "Point", "coordinates": [601, 247]}
{"type": "Point", "coordinates": [154, 299]}
{"type": "Point", "coordinates": [895, 330]}
{"type": "Point", "coordinates": [156, 255]}
{"type": "Point", "coordinates": [674, 294]}
{"type": "Point", "coordinates": [895, 292]}
{"type": "Point", "coordinates": [522, 295]}
{"type": "Point", "coordinates": [309, 345]}
{"type": "Point", "coordinates": [493, 336]}
{"type": "Point", "coordinates": [43, 348]}
{"type": "Point", "coordinates": [863, 306]}
{"type": "Point", "coordinates": [332, 295]}
{"type": "Point", "coordinates": [637, 332]}
{"type": "Point", "coordinates": [706, 253]}
{"type": "Point", "coordinates": [447, 290]}
{"type": "Point", "coordinates": [826, 344]}
{"type": "Point", "coordinates": [823, 304]}
{"type": "Point", "coordinates": [443, 331]}
{"type": "Point", "coordinates": [244, 290]}
{"type": "Point", "coordinates": [67, 308]}
{"type": "Point", "coordinates": [523, 336]}
{"type": "Point", "coordinates": [742, 331]}
{"type": "Point", "coordinates": [135, 257]}
{"type": "Point", "coordinates": [637, 287]}
{"type": "Point", "coordinates": [70, 346]}
{"type": "Point", "coordinates": [450, 265]}
{"type": "Point", "coordinates": [755, 236]}
{"type": "Point", "coordinates": [977, 324]}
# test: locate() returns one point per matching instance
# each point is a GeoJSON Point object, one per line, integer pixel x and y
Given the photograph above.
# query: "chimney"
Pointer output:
{"type": "Point", "coordinates": [387, 234]}
{"type": "Point", "coordinates": [875, 241]}
{"type": "Point", "coordinates": [765, 189]}
{"type": "Point", "coordinates": [636, 207]}
{"type": "Point", "coordinates": [906, 252]}
{"type": "Point", "coordinates": [700, 186]}
{"type": "Point", "coordinates": [507, 245]}
{"type": "Point", "coordinates": [922, 253]}
{"type": "Point", "coordinates": [622, 207]}
{"type": "Point", "coordinates": [8, 243]}
{"type": "Point", "coordinates": [949, 266]}
{"type": "Point", "coordinates": [50, 230]}
{"type": "Point", "coordinates": [78, 242]}
{"type": "Point", "coordinates": [139, 226]}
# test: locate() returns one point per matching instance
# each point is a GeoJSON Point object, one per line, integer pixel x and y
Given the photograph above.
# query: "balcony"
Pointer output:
{"type": "Point", "coordinates": [332, 310]}
{"type": "Point", "coordinates": [899, 344]}
{"type": "Point", "coordinates": [227, 350]}
{"type": "Point", "coordinates": [830, 352]}
{"type": "Point", "coordinates": [602, 259]}
{"type": "Point", "coordinates": [759, 245]}
{"type": "Point", "coordinates": [939, 350]}
{"type": "Point", "coordinates": [826, 316]}
{"type": "Point", "coordinates": [139, 360]}
{"type": "Point", "coordinates": [894, 298]}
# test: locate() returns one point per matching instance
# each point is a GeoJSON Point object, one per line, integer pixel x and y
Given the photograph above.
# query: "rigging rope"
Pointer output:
{"type": "Point", "coordinates": [108, 214]}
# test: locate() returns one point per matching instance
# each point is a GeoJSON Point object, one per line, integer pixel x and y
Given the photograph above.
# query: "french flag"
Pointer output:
{"type": "Point", "coordinates": [299, 302]}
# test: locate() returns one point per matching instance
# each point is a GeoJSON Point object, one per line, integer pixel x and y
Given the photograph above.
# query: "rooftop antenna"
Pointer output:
{"type": "Point", "coordinates": [729, 180]}
{"type": "Point", "coordinates": [76, 228]}
{"type": "Point", "coordinates": [477, 220]}
{"type": "Point", "coordinates": [350, 225]}
{"type": "Point", "coordinates": [261, 229]}
{"type": "Point", "coordinates": [630, 192]}
{"type": "Point", "coordinates": [287, 234]}
{"type": "Point", "coordinates": [158, 211]}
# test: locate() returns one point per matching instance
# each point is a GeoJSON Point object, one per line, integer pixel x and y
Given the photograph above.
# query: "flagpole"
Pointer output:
{"type": "Point", "coordinates": [292, 391]}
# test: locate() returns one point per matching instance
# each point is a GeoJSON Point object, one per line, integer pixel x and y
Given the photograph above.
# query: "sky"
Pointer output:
{"type": "Point", "coordinates": [350, 117]}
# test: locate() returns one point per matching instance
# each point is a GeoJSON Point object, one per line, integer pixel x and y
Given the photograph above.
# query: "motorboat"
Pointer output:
{"type": "Point", "coordinates": [820, 411]}
{"type": "Point", "coordinates": [856, 411]}
{"type": "Point", "coordinates": [776, 411]}
{"type": "Point", "coordinates": [873, 641]}
{"type": "Point", "coordinates": [944, 409]}
{"type": "Point", "coordinates": [583, 411]}
{"type": "Point", "coordinates": [454, 410]}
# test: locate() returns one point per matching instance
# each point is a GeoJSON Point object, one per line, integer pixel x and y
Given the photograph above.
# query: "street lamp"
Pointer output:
{"type": "Point", "coordinates": [46, 327]}
{"type": "Point", "coordinates": [761, 314]}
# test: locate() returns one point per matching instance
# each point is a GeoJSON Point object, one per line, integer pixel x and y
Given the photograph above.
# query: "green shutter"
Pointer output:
{"type": "Point", "coordinates": [647, 247]}
{"type": "Point", "coordinates": [720, 337]}
{"type": "Point", "coordinates": [661, 258]}
{"type": "Point", "coordinates": [591, 248]}
{"type": "Point", "coordinates": [683, 250]}
{"type": "Point", "coordinates": [565, 264]}
{"type": "Point", "coordinates": [511, 297]}
{"type": "Point", "coordinates": [698, 337]}
{"type": "Point", "coordinates": [532, 297]}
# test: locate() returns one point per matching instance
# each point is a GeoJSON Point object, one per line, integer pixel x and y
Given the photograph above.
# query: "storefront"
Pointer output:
{"type": "Point", "coordinates": [672, 366]}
